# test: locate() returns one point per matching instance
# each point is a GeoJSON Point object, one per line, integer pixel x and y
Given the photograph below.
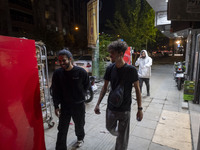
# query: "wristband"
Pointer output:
{"type": "Point", "coordinates": [140, 108]}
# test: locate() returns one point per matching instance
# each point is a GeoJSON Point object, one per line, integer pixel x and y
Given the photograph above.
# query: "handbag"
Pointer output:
{"type": "Point", "coordinates": [116, 96]}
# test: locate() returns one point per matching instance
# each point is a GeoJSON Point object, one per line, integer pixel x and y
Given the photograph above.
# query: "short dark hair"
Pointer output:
{"type": "Point", "coordinates": [65, 52]}
{"type": "Point", "coordinates": [119, 46]}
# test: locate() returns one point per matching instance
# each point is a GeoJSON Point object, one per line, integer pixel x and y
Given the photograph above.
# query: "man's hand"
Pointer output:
{"type": "Point", "coordinates": [139, 115]}
{"type": "Point", "coordinates": [97, 110]}
{"type": "Point", "coordinates": [57, 112]}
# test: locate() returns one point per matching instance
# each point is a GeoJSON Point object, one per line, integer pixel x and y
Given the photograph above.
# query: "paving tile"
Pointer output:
{"type": "Point", "coordinates": [151, 116]}
{"type": "Point", "coordinates": [173, 130]}
{"type": "Point", "coordinates": [175, 119]}
{"type": "Point", "coordinates": [155, 146]}
{"type": "Point", "coordinates": [52, 132]}
{"type": "Point", "coordinates": [51, 146]}
{"type": "Point", "coordinates": [146, 99]}
{"type": "Point", "coordinates": [145, 104]}
{"type": "Point", "coordinates": [143, 132]}
{"type": "Point", "coordinates": [156, 105]}
{"type": "Point", "coordinates": [171, 108]}
{"type": "Point", "coordinates": [49, 140]}
{"type": "Point", "coordinates": [159, 101]}
{"type": "Point", "coordinates": [148, 123]}
{"type": "Point", "coordinates": [172, 102]}
{"type": "Point", "coordinates": [156, 111]}
{"type": "Point", "coordinates": [137, 143]}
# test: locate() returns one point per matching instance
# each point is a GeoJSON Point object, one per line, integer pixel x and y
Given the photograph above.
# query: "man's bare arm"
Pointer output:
{"type": "Point", "coordinates": [103, 92]}
{"type": "Point", "coordinates": [138, 94]}
{"type": "Point", "coordinates": [139, 115]}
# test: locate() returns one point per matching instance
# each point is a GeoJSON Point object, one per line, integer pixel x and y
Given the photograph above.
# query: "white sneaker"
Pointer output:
{"type": "Point", "coordinates": [79, 143]}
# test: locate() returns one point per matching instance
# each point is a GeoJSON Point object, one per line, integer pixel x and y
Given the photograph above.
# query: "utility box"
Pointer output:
{"type": "Point", "coordinates": [189, 87]}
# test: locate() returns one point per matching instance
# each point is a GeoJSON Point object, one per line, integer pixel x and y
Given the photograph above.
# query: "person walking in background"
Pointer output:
{"type": "Point", "coordinates": [69, 85]}
{"type": "Point", "coordinates": [144, 62]}
{"type": "Point", "coordinates": [122, 77]}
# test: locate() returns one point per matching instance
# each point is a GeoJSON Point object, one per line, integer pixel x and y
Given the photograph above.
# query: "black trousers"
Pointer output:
{"type": "Point", "coordinates": [146, 80]}
{"type": "Point", "coordinates": [77, 113]}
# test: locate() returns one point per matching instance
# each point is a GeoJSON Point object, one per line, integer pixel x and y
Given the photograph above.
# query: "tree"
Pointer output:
{"type": "Point", "coordinates": [134, 22]}
{"type": "Point", "coordinates": [104, 41]}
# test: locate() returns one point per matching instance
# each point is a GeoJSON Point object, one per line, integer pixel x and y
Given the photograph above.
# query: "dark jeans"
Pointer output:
{"type": "Point", "coordinates": [146, 80]}
{"type": "Point", "coordinates": [118, 123]}
{"type": "Point", "coordinates": [77, 113]}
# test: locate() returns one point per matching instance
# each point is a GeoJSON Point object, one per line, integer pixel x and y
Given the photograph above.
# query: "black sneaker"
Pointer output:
{"type": "Point", "coordinates": [148, 94]}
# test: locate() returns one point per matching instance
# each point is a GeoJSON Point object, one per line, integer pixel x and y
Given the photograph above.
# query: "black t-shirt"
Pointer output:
{"type": "Point", "coordinates": [69, 87]}
{"type": "Point", "coordinates": [129, 75]}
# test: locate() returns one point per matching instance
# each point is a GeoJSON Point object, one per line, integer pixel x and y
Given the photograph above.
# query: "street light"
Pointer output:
{"type": "Point", "coordinates": [76, 28]}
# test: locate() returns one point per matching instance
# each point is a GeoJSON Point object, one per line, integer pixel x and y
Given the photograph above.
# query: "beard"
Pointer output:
{"type": "Point", "coordinates": [143, 57]}
{"type": "Point", "coordinates": [66, 66]}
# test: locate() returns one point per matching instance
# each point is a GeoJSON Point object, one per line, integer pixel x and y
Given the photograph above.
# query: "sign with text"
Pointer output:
{"type": "Point", "coordinates": [161, 18]}
{"type": "Point", "coordinates": [92, 23]}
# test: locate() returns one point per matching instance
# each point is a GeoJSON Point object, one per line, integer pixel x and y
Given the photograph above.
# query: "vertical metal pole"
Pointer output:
{"type": "Point", "coordinates": [95, 66]}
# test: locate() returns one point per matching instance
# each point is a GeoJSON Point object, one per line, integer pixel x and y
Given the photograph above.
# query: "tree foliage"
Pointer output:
{"type": "Point", "coordinates": [134, 22]}
{"type": "Point", "coordinates": [104, 41]}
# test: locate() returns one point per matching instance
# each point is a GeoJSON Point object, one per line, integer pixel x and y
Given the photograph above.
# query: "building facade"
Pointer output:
{"type": "Point", "coordinates": [18, 17]}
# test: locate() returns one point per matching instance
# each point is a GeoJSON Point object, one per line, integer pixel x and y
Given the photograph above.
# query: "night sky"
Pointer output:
{"type": "Point", "coordinates": [106, 12]}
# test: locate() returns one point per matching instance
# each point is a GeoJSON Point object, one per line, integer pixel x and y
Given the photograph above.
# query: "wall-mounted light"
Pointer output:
{"type": "Point", "coordinates": [178, 42]}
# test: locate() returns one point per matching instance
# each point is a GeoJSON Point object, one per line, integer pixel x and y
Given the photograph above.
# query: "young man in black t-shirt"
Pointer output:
{"type": "Point", "coordinates": [118, 118]}
{"type": "Point", "coordinates": [69, 84]}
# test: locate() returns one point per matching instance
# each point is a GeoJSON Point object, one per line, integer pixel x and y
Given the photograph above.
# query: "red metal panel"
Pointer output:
{"type": "Point", "coordinates": [127, 56]}
{"type": "Point", "coordinates": [21, 123]}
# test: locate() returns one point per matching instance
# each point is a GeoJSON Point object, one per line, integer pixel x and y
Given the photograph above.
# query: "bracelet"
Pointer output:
{"type": "Point", "coordinates": [140, 108]}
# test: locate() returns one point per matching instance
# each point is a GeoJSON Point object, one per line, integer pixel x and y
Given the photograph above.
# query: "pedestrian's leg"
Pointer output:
{"type": "Point", "coordinates": [141, 83]}
{"type": "Point", "coordinates": [123, 130]}
{"type": "Point", "coordinates": [78, 117]}
{"type": "Point", "coordinates": [63, 126]}
{"type": "Point", "coordinates": [147, 85]}
{"type": "Point", "coordinates": [111, 122]}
